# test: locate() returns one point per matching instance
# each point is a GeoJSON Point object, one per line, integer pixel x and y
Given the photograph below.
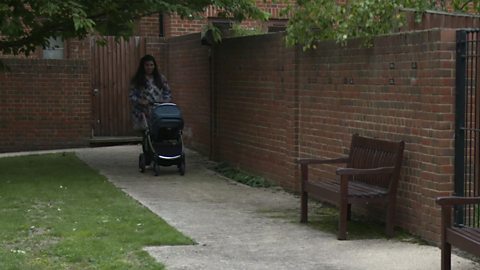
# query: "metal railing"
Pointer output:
{"type": "Point", "coordinates": [467, 126]}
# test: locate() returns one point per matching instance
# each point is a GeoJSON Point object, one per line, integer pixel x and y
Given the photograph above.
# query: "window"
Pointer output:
{"type": "Point", "coordinates": [55, 49]}
{"type": "Point", "coordinates": [277, 25]}
{"type": "Point", "coordinates": [222, 24]}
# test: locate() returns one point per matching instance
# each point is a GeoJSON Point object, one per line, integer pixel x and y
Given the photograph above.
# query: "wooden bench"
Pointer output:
{"type": "Point", "coordinates": [370, 176]}
{"type": "Point", "coordinates": [464, 238]}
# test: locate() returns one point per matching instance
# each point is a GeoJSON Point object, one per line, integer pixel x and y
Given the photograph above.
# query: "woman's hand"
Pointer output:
{"type": "Point", "coordinates": [143, 102]}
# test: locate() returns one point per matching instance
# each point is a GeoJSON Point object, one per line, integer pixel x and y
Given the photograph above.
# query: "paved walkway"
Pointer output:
{"type": "Point", "coordinates": [235, 227]}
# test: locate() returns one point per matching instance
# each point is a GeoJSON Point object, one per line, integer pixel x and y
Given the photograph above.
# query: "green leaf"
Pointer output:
{"type": "Point", "coordinates": [79, 18]}
{"type": "Point", "coordinates": [315, 20]}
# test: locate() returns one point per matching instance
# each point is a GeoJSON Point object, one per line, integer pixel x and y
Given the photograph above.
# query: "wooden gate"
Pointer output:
{"type": "Point", "coordinates": [112, 67]}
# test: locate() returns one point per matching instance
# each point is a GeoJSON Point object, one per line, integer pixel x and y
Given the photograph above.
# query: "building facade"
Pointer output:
{"type": "Point", "coordinates": [172, 25]}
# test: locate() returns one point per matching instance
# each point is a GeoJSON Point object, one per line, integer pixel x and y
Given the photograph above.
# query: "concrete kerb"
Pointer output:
{"type": "Point", "coordinates": [229, 223]}
{"type": "Point", "coordinates": [39, 152]}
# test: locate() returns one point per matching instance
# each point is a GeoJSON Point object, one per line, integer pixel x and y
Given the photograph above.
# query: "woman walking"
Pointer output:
{"type": "Point", "coordinates": [147, 87]}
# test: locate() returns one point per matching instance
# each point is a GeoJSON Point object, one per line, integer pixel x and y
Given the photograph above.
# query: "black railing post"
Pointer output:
{"type": "Point", "coordinates": [460, 86]}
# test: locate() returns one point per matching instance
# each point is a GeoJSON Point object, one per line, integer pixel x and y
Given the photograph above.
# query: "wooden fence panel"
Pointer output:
{"type": "Point", "coordinates": [112, 67]}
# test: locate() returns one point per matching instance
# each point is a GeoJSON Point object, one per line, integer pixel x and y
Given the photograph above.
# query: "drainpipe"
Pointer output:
{"type": "Point", "coordinates": [213, 104]}
{"type": "Point", "coordinates": [207, 40]}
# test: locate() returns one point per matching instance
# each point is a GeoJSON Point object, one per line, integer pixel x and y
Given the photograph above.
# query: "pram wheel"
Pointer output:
{"type": "Point", "coordinates": [181, 166]}
{"type": "Point", "coordinates": [156, 168]}
{"type": "Point", "coordinates": [141, 163]}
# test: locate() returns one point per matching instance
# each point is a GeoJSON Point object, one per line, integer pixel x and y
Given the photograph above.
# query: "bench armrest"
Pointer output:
{"type": "Point", "coordinates": [373, 171]}
{"type": "Point", "coordinates": [455, 200]}
{"type": "Point", "coordinates": [307, 161]}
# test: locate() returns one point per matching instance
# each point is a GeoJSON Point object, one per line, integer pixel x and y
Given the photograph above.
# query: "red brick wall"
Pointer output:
{"type": "Point", "coordinates": [148, 26]}
{"type": "Point", "coordinates": [254, 106]}
{"type": "Point", "coordinates": [78, 49]}
{"type": "Point", "coordinates": [275, 104]}
{"type": "Point", "coordinates": [272, 104]}
{"type": "Point", "coordinates": [189, 77]}
{"type": "Point", "coordinates": [158, 48]}
{"type": "Point", "coordinates": [401, 89]}
{"type": "Point", "coordinates": [178, 26]}
{"type": "Point", "coordinates": [44, 104]}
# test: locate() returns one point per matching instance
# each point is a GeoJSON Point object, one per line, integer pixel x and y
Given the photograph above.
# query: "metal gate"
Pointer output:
{"type": "Point", "coordinates": [112, 67]}
{"type": "Point", "coordinates": [467, 128]}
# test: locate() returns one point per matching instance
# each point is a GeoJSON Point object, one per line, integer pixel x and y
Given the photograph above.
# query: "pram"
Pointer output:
{"type": "Point", "coordinates": [162, 142]}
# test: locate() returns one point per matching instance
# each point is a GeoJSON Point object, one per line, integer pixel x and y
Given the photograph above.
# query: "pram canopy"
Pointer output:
{"type": "Point", "coordinates": [163, 143]}
{"type": "Point", "coordinates": [166, 115]}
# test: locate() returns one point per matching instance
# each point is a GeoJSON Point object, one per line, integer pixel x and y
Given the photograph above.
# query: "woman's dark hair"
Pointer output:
{"type": "Point", "coordinates": [139, 79]}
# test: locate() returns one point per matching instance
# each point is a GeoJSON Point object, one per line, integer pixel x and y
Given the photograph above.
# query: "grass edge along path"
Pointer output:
{"type": "Point", "coordinates": [58, 213]}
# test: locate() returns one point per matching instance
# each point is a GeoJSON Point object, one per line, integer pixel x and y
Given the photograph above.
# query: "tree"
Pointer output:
{"type": "Point", "coordinates": [27, 24]}
{"type": "Point", "coordinates": [314, 20]}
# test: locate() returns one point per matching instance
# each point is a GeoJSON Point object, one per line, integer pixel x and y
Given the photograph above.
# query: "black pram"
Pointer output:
{"type": "Point", "coordinates": [162, 142]}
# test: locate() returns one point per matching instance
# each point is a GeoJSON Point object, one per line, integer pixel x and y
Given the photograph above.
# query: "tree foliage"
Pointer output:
{"type": "Point", "coordinates": [314, 20]}
{"type": "Point", "coordinates": [26, 24]}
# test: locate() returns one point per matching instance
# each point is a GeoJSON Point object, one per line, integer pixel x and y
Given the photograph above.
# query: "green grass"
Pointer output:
{"type": "Point", "coordinates": [57, 213]}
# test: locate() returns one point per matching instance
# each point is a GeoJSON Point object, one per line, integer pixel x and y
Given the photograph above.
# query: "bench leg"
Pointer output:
{"type": "Point", "coordinates": [390, 219]}
{"type": "Point", "coordinates": [446, 260]}
{"type": "Point", "coordinates": [446, 256]}
{"type": "Point", "coordinates": [304, 207]}
{"type": "Point", "coordinates": [342, 220]}
{"type": "Point", "coordinates": [343, 205]}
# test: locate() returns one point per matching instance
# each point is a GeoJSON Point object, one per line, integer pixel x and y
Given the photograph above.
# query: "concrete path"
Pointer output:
{"type": "Point", "coordinates": [235, 225]}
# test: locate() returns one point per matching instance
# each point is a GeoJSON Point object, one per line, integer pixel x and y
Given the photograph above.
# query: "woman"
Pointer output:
{"type": "Point", "coordinates": [147, 87]}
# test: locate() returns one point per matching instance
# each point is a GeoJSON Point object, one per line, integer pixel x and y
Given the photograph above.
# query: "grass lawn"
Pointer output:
{"type": "Point", "coordinates": [57, 213]}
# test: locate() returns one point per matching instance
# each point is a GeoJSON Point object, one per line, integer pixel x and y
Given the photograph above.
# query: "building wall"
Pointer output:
{"type": "Point", "coordinates": [189, 78]}
{"type": "Point", "coordinates": [273, 104]}
{"type": "Point", "coordinates": [174, 25]}
{"type": "Point", "coordinates": [255, 96]}
{"type": "Point", "coordinates": [403, 88]}
{"type": "Point", "coordinates": [148, 26]}
{"type": "Point", "coordinates": [44, 104]}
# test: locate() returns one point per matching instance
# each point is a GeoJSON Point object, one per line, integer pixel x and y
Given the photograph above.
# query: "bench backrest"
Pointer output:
{"type": "Point", "coordinates": [367, 153]}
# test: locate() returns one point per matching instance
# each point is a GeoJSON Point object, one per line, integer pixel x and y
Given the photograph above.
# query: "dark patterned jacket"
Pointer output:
{"type": "Point", "coordinates": [152, 94]}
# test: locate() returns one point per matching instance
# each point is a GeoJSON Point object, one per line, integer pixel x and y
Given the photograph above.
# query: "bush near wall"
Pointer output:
{"type": "Point", "coordinates": [44, 104]}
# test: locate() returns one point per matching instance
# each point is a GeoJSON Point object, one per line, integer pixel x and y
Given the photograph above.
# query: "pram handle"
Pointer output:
{"type": "Point", "coordinates": [162, 103]}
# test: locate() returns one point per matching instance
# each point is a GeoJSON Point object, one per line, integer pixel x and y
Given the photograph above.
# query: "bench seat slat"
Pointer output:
{"type": "Point", "coordinates": [472, 233]}
{"type": "Point", "coordinates": [465, 238]}
{"type": "Point", "coordinates": [355, 189]}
